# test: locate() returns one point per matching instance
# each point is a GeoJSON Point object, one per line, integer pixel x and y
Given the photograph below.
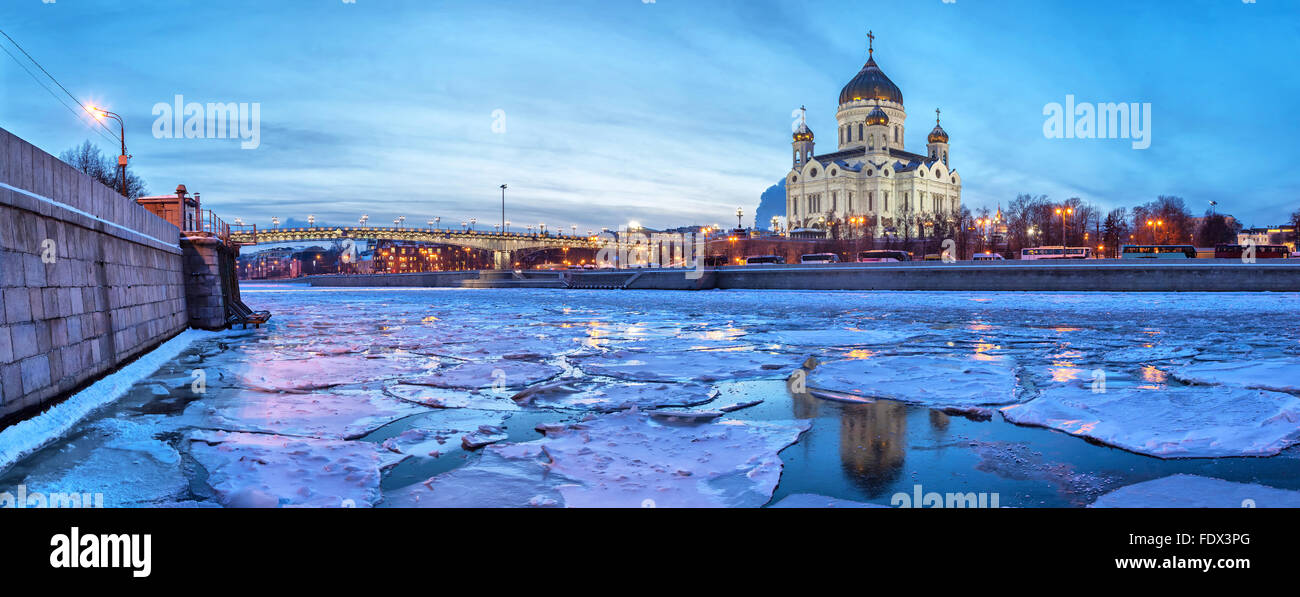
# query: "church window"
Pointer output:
{"type": "Point", "coordinates": [833, 200]}
{"type": "Point", "coordinates": [898, 132]}
{"type": "Point", "coordinates": [870, 172]}
{"type": "Point", "coordinates": [859, 132]}
{"type": "Point", "coordinates": [871, 201]}
{"type": "Point", "coordinates": [833, 171]}
{"type": "Point", "coordinates": [849, 206]}
{"type": "Point", "coordinates": [813, 173]}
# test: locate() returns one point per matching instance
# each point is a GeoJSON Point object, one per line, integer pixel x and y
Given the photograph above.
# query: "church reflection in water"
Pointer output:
{"type": "Point", "coordinates": [872, 438]}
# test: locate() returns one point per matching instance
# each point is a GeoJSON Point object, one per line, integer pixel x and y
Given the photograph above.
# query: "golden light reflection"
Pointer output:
{"type": "Point", "coordinates": [1153, 375]}
{"type": "Point", "coordinates": [982, 351]}
{"type": "Point", "coordinates": [860, 353]}
{"type": "Point", "coordinates": [430, 319]}
{"type": "Point", "coordinates": [979, 327]}
{"type": "Point", "coordinates": [1065, 374]}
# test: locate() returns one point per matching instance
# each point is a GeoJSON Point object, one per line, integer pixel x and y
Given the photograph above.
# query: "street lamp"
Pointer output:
{"type": "Point", "coordinates": [311, 221]}
{"type": "Point", "coordinates": [472, 222]}
{"type": "Point", "coordinates": [365, 218]}
{"type": "Point", "coordinates": [504, 224]}
{"type": "Point", "coordinates": [101, 114]}
{"type": "Point", "coordinates": [275, 222]}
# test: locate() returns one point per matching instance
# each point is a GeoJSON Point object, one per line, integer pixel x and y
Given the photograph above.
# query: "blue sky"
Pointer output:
{"type": "Point", "coordinates": [667, 113]}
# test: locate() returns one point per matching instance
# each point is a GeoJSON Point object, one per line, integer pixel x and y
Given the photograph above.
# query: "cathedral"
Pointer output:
{"type": "Point", "coordinates": [870, 185]}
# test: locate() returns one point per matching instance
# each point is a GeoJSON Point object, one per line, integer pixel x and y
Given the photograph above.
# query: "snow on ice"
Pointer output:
{"type": "Point", "coordinates": [698, 365]}
{"type": "Point", "coordinates": [930, 381]}
{"type": "Point", "coordinates": [1280, 374]}
{"type": "Point", "coordinates": [343, 414]}
{"type": "Point", "coordinates": [1192, 491]}
{"type": "Point", "coordinates": [261, 470]}
{"type": "Point", "coordinates": [621, 460]}
{"type": "Point", "coordinates": [1174, 421]}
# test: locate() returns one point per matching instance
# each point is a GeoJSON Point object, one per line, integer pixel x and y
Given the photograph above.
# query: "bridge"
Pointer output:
{"type": "Point", "coordinates": [504, 246]}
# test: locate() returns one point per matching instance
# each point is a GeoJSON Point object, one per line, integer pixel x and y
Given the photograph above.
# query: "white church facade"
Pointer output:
{"type": "Point", "coordinates": [870, 184]}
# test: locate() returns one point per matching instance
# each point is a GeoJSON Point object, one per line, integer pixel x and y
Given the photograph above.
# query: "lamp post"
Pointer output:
{"type": "Point", "coordinates": [311, 221]}
{"type": "Point", "coordinates": [365, 218]}
{"type": "Point", "coordinates": [122, 159]}
{"type": "Point", "coordinates": [1069, 211]}
{"type": "Point", "coordinates": [472, 222]}
{"type": "Point", "coordinates": [504, 224]}
{"type": "Point", "coordinates": [275, 222]}
{"type": "Point", "coordinates": [776, 225]}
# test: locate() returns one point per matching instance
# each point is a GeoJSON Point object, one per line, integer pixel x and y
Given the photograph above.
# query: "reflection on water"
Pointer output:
{"type": "Point", "coordinates": [873, 444]}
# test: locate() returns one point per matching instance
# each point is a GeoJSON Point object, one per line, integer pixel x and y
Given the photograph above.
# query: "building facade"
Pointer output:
{"type": "Point", "coordinates": [870, 184]}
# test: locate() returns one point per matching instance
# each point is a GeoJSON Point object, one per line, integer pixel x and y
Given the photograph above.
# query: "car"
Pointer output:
{"type": "Point", "coordinates": [987, 257]}
{"type": "Point", "coordinates": [819, 258]}
{"type": "Point", "coordinates": [765, 260]}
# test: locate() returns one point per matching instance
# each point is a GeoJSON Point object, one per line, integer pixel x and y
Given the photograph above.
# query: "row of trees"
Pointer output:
{"type": "Point", "coordinates": [1036, 220]}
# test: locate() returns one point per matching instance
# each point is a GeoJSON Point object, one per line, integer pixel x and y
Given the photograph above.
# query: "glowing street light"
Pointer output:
{"type": "Point", "coordinates": [101, 114]}
{"type": "Point", "coordinates": [275, 222]}
{"type": "Point", "coordinates": [311, 221]}
{"type": "Point", "coordinates": [364, 221]}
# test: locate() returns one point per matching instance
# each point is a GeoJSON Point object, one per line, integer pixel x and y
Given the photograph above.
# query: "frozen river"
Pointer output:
{"type": "Point", "coordinates": [459, 397]}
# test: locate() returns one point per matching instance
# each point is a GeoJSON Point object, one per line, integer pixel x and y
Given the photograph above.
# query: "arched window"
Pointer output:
{"type": "Point", "coordinates": [859, 132]}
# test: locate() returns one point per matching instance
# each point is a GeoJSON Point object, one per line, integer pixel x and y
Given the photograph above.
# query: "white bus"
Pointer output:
{"type": "Point", "coordinates": [1056, 253]}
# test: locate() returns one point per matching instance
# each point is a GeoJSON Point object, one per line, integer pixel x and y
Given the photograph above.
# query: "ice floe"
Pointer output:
{"type": "Point", "coordinates": [607, 397]}
{"type": "Point", "coordinates": [930, 381]}
{"type": "Point", "coordinates": [621, 460]}
{"type": "Point", "coordinates": [318, 373]}
{"type": "Point", "coordinates": [438, 432]}
{"type": "Point", "coordinates": [263, 470]}
{"type": "Point", "coordinates": [506, 373]}
{"type": "Point", "coordinates": [343, 414]}
{"type": "Point", "coordinates": [117, 461]}
{"type": "Point", "coordinates": [1193, 491]}
{"type": "Point", "coordinates": [1281, 374]}
{"type": "Point", "coordinates": [1175, 421]}
{"type": "Point", "coordinates": [697, 365]}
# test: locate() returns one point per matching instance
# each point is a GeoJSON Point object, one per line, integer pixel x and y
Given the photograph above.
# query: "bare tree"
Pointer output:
{"type": "Point", "coordinates": [88, 158]}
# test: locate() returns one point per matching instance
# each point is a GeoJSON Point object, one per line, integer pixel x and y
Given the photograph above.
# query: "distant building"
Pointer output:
{"type": "Point", "coordinates": [1275, 235]}
{"type": "Point", "coordinates": [870, 174]}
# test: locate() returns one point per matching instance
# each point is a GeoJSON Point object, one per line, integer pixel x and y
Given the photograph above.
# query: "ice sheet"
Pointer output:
{"type": "Point", "coordinates": [931, 381]}
{"type": "Point", "coordinates": [1175, 421]}
{"type": "Point", "coordinates": [623, 460]}
{"type": "Point", "coordinates": [262, 470]}
{"type": "Point", "coordinates": [1281, 374]}
{"type": "Point", "coordinates": [1192, 491]}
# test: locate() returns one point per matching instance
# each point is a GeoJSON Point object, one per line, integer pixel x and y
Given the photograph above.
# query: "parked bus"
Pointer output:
{"type": "Point", "coordinates": [819, 258]}
{"type": "Point", "coordinates": [1157, 252]}
{"type": "Point", "coordinates": [986, 256]}
{"type": "Point", "coordinates": [878, 256]}
{"type": "Point", "coordinates": [1225, 251]}
{"type": "Point", "coordinates": [765, 260]}
{"type": "Point", "coordinates": [1033, 253]}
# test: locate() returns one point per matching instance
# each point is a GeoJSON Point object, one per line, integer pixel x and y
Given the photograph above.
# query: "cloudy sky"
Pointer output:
{"type": "Point", "coordinates": [666, 112]}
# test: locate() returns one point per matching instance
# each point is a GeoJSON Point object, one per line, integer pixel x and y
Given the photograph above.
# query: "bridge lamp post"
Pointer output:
{"type": "Point", "coordinates": [504, 224]}
{"type": "Point", "coordinates": [472, 222]}
{"type": "Point", "coordinates": [507, 226]}
{"type": "Point", "coordinates": [275, 222]}
{"type": "Point", "coordinates": [363, 221]}
{"type": "Point", "coordinates": [430, 222]}
{"type": "Point", "coordinates": [311, 221]}
{"type": "Point", "coordinates": [436, 221]}
{"type": "Point", "coordinates": [574, 228]}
